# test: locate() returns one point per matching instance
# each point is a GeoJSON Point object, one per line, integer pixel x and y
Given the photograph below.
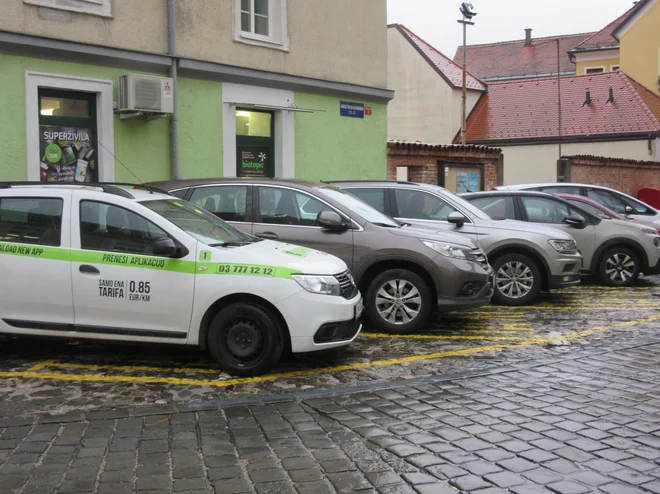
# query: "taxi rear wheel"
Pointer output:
{"type": "Point", "coordinates": [245, 340]}
{"type": "Point", "coordinates": [398, 301]}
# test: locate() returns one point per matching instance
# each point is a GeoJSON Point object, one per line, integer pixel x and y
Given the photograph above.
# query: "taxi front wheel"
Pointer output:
{"type": "Point", "coordinates": [245, 340]}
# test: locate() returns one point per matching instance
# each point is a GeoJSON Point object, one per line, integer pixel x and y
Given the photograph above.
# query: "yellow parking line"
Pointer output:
{"type": "Point", "coordinates": [324, 370]}
{"type": "Point", "coordinates": [40, 365]}
{"type": "Point", "coordinates": [132, 368]}
{"type": "Point", "coordinates": [441, 337]}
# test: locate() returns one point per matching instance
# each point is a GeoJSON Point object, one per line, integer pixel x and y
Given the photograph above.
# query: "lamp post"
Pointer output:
{"type": "Point", "coordinates": [468, 14]}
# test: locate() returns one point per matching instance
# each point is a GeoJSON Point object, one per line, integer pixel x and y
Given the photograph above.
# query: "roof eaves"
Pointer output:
{"type": "Point", "coordinates": [600, 48]}
{"type": "Point", "coordinates": [641, 101]}
{"type": "Point", "coordinates": [639, 6]}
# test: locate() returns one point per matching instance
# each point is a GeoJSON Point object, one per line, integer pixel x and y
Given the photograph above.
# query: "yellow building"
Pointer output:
{"type": "Point", "coordinates": [639, 39]}
{"type": "Point", "coordinates": [630, 43]}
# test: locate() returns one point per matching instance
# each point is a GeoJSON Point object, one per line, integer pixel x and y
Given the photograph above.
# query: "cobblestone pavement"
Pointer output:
{"type": "Point", "coordinates": [62, 377]}
{"type": "Point", "coordinates": [584, 421]}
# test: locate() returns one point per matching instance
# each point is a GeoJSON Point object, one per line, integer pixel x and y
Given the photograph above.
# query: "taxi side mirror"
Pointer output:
{"type": "Point", "coordinates": [165, 247]}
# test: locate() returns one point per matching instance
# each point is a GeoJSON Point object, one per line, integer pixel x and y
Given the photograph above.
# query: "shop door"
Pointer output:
{"type": "Point", "coordinates": [67, 136]}
{"type": "Point", "coordinates": [255, 144]}
{"type": "Point", "coordinates": [460, 178]}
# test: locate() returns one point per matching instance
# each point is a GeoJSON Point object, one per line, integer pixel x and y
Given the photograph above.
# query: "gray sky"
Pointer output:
{"type": "Point", "coordinates": [501, 20]}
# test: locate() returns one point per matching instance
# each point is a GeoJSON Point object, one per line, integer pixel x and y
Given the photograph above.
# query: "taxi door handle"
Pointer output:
{"type": "Point", "coordinates": [268, 235]}
{"type": "Point", "coordinates": [87, 269]}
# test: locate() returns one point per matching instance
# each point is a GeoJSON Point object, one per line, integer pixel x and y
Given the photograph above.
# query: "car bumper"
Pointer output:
{"type": "Point", "coordinates": [563, 280]}
{"type": "Point", "coordinates": [653, 269]}
{"type": "Point", "coordinates": [479, 298]}
{"type": "Point", "coordinates": [320, 322]}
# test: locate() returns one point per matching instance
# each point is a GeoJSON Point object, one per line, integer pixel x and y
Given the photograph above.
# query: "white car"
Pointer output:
{"type": "Point", "coordinates": [134, 264]}
{"type": "Point", "coordinates": [618, 202]}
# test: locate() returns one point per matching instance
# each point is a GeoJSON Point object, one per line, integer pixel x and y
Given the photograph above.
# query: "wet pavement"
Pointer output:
{"type": "Point", "coordinates": [578, 411]}
{"type": "Point", "coordinates": [38, 376]}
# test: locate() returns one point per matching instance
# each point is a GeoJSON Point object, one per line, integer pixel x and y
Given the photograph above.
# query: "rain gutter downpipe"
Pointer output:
{"type": "Point", "coordinates": [174, 122]}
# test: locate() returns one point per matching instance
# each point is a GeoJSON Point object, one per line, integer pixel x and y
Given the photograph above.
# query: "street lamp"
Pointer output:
{"type": "Point", "coordinates": [468, 14]}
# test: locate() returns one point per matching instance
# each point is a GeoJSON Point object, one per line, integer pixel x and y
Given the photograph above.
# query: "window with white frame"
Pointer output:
{"type": "Point", "coordinates": [594, 70]}
{"type": "Point", "coordinates": [615, 68]}
{"type": "Point", "coordinates": [261, 23]}
{"type": "Point", "coordinates": [94, 7]}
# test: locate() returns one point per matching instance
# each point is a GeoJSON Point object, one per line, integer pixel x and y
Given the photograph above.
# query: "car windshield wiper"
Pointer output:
{"type": "Point", "coordinates": [229, 244]}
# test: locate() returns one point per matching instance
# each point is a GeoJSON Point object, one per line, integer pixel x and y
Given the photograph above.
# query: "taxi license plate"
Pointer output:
{"type": "Point", "coordinates": [359, 308]}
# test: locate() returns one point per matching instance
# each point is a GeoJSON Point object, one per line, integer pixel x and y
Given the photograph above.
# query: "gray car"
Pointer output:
{"type": "Point", "coordinates": [618, 251]}
{"type": "Point", "coordinates": [405, 273]}
{"type": "Point", "coordinates": [527, 259]}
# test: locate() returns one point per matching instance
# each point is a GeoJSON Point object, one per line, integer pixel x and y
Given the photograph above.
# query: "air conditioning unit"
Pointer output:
{"type": "Point", "coordinates": [145, 94]}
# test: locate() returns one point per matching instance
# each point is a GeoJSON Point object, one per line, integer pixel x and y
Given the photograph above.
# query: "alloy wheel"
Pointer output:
{"type": "Point", "coordinates": [620, 267]}
{"type": "Point", "coordinates": [514, 279]}
{"type": "Point", "coordinates": [398, 301]}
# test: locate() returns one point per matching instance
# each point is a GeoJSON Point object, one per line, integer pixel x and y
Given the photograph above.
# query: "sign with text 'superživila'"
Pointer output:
{"type": "Point", "coordinates": [67, 154]}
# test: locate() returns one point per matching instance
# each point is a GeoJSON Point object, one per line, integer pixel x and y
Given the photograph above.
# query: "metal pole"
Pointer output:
{"type": "Point", "coordinates": [559, 95]}
{"type": "Point", "coordinates": [464, 91]}
{"type": "Point", "coordinates": [174, 122]}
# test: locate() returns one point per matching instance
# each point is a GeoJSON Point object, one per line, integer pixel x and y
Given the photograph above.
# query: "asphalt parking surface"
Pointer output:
{"type": "Point", "coordinates": [38, 376]}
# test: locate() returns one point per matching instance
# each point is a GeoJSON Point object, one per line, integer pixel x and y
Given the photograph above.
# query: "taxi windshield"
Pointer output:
{"type": "Point", "coordinates": [198, 222]}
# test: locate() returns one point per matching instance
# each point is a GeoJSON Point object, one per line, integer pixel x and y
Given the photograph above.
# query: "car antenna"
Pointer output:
{"type": "Point", "coordinates": [120, 162]}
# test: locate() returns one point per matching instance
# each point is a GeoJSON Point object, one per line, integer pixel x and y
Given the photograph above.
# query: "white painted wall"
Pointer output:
{"type": "Point", "coordinates": [538, 163]}
{"type": "Point", "coordinates": [424, 107]}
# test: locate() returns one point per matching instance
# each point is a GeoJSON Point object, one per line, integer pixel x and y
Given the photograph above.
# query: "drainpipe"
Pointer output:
{"type": "Point", "coordinates": [174, 122]}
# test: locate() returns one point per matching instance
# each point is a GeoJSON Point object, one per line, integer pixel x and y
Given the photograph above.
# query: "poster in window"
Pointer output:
{"type": "Point", "coordinates": [67, 154]}
{"type": "Point", "coordinates": [461, 182]}
{"type": "Point", "coordinates": [253, 161]}
{"type": "Point", "coordinates": [473, 181]}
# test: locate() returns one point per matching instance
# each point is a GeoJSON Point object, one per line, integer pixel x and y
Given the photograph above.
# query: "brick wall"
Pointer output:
{"type": "Point", "coordinates": [627, 176]}
{"type": "Point", "coordinates": [422, 160]}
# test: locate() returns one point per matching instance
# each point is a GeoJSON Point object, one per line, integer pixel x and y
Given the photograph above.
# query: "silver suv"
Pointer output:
{"type": "Point", "coordinates": [404, 273]}
{"type": "Point", "coordinates": [618, 251]}
{"type": "Point", "coordinates": [526, 259]}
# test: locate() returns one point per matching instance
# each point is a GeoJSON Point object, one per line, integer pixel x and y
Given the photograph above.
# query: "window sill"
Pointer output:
{"type": "Point", "coordinates": [257, 40]}
{"type": "Point", "coordinates": [100, 11]}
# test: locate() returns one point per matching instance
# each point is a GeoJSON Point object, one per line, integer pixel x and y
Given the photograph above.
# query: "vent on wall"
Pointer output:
{"type": "Point", "coordinates": [143, 94]}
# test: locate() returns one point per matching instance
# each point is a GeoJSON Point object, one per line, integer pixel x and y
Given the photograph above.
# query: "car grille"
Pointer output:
{"type": "Point", "coordinates": [348, 287]}
{"type": "Point", "coordinates": [479, 256]}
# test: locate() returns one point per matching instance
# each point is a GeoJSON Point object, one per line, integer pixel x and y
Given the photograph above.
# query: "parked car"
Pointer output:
{"type": "Point", "coordinates": [526, 260]}
{"type": "Point", "coordinates": [405, 273]}
{"type": "Point", "coordinates": [599, 210]}
{"type": "Point", "coordinates": [618, 251]}
{"type": "Point", "coordinates": [106, 262]}
{"type": "Point", "coordinates": [613, 199]}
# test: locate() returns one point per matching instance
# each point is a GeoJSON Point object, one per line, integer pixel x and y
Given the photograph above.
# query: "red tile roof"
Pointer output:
{"type": "Point", "coordinates": [528, 109]}
{"type": "Point", "coordinates": [450, 71]}
{"type": "Point", "coordinates": [512, 59]}
{"type": "Point", "coordinates": [604, 38]}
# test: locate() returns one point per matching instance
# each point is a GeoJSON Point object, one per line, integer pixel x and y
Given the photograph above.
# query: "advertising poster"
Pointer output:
{"type": "Point", "coordinates": [253, 161]}
{"type": "Point", "coordinates": [67, 154]}
{"type": "Point", "coordinates": [473, 181]}
{"type": "Point", "coordinates": [461, 182]}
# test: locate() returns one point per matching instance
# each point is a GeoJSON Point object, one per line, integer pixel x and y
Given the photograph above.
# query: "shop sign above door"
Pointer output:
{"type": "Point", "coordinates": [348, 109]}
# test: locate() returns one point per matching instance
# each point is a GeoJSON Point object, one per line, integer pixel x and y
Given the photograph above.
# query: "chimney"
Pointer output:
{"type": "Point", "coordinates": [587, 101]}
{"type": "Point", "coordinates": [611, 98]}
{"type": "Point", "coordinates": [528, 37]}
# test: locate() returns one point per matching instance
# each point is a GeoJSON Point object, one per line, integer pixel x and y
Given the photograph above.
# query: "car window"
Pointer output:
{"type": "Point", "coordinates": [616, 202]}
{"type": "Point", "coordinates": [589, 208]}
{"type": "Point", "coordinates": [289, 207]}
{"type": "Point", "coordinates": [560, 189]}
{"type": "Point", "coordinates": [32, 220]}
{"type": "Point", "coordinates": [498, 208]}
{"type": "Point", "coordinates": [228, 202]}
{"type": "Point", "coordinates": [179, 193]}
{"type": "Point", "coordinates": [418, 205]}
{"type": "Point", "coordinates": [114, 229]}
{"type": "Point", "coordinates": [542, 210]}
{"type": "Point", "coordinates": [373, 197]}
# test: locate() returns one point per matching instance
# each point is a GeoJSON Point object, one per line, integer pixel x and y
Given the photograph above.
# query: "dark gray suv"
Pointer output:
{"type": "Point", "coordinates": [404, 273]}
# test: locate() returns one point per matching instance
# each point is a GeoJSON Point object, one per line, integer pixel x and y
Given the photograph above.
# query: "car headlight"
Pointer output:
{"type": "Point", "coordinates": [564, 246]}
{"type": "Point", "coordinates": [650, 231]}
{"type": "Point", "coordinates": [447, 250]}
{"type": "Point", "coordinates": [325, 285]}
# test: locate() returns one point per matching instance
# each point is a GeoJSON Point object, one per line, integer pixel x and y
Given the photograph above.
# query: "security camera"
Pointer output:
{"type": "Point", "coordinates": [466, 10]}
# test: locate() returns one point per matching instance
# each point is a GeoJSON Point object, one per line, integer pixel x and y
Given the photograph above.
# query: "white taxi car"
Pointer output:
{"type": "Point", "coordinates": [130, 263]}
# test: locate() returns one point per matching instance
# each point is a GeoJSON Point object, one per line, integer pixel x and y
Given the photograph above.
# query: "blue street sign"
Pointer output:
{"type": "Point", "coordinates": [348, 109]}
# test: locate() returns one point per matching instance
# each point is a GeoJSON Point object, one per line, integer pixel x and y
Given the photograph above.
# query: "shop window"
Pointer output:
{"type": "Point", "coordinates": [261, 22]}
{"type": "Point", "coordinates": [94, 7]}
{"type": "Point", "coordinates": [31, 221]}
{"type": "Point", "coordinates": [227, 202]}
{"type": "Point", "coordinates": [114, 229]}
{"type": "Point", "coordinates": [253, 123]}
